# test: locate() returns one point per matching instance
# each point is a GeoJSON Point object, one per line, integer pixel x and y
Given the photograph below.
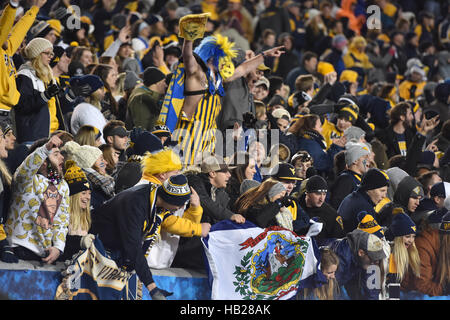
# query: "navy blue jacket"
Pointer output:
{"type": "Point", "coordinates": [122, 222]}
{"type": "Point", "coordinates": [350, 274]}
{"type": "Point", "coordinates": [323, 160]}
{"type": "Point", "coordinates": [32, 115]}
{"type": "Point", "coordinates": [347, 182]}
{"type": "Point", "coordinates": [353, 204]}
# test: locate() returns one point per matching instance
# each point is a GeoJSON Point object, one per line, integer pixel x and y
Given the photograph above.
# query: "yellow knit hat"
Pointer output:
{"type": "Point", "coordinates": [56, 25]}
{"type": "Point", "coordinates": [368, 224]}
{"type": "Point", "coordinates": [75, 178]}
{"type": "Point", "coordinates": [325, 68]}
{"type": "Point", "coordinates": [348, 75]}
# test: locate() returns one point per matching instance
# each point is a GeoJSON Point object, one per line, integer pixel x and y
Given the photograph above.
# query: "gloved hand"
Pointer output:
{"type": "Point", "coordinates": [86, 241]}
{"type": "Point", "coordinates": [51, 91]}
{"type": "Point", "coordinates": [76, 90]}
{"type": "Point", "coordinates": [160, 294]}
{"type": "Point", "coordinates": [7, 255]}
{"type": "Point", "coordinates": [286, 201]}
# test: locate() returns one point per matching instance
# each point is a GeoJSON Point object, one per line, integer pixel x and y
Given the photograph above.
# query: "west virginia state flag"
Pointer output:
{"type": "Point", "coordinates": [246, 262]}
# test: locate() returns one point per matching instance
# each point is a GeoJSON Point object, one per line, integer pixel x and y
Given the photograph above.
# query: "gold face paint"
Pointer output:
{"type": "Point", "coordinates": [226, 67]}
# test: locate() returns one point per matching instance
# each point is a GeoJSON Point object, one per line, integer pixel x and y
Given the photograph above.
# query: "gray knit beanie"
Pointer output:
{"type": "Point", "coordinates": [36, 46]}
{"type": "Point", "coordinates": [276, 189]}
{"type": "Point", "coordinates": [354, 151]}
{"type": "Point", "coordinates": [248, 184]}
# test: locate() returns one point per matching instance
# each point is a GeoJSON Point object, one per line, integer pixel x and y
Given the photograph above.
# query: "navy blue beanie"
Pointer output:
{"type": "Point", "coordinates": [175, 190]}
{"type": "Point", "coordinates": [401, 225]}
{"type": "Point", "coordinates": [442, 91]}
{"type": "Point", "coordinates": [427, 159]}
{"type": "Point", "coordinates": [146, 141]}
{"type": "Point", "coordinates": [95, 82]}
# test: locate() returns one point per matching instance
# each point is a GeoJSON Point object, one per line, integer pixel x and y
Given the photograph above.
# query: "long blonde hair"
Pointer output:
{"type": "Point", "coordinates": [79, 218]}
{"type": "Point", "coordinates": [405, 258]}
{"type": "Point", "coordinates": [43, 72]}
{"type": "Point", "coordinates": [443, 269]}
{"type": "Point", "coordinates": [6, 175]}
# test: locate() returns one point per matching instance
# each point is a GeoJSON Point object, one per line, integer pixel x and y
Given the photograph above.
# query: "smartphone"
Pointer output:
{"type": "Point", "coordinates": [394, 291]}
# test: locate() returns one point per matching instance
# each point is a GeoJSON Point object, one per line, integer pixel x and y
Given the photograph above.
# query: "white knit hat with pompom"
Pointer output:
{"type": "Point", "coordinates": [85, 156]}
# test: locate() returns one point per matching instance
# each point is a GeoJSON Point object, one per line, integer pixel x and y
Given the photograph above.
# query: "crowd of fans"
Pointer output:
{"type": "Point", "coordinates": [332, 113]}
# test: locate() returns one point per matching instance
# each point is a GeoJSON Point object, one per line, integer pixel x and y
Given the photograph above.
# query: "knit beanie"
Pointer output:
{"type": "Point", "coordinates": [75, 178]}
{"type": "Point", "coordinates": [442, 91]}
{"type": "Point", "coordinates": [248, 184]}
{"type": "Point", "coordinates": [152, 75]}
{"type": "Point", "coordinates": [354, 133]}
{"type": "Point", "coordinates": [445, 224]}
{"type": "Point", "coordinates": [58, 53]}
{"type": "Point", "coordinates": [85, 156]}
{"type": "Point", "coordinates": [401, 225]}
{"type": "Point", "coordinates": [316, 184]}
{"type": "Point", "coordinates": [146, 142]}
{"type": "Point", "coordinates": [374, 179]}
{"type": "Point", "coordinates": [368, 224]}
{"type": "Point", "coordinates": [36, 46]}
{"type": "Point", "coordinates": [354, 151]}
{"type": "Point", "coordinates": [276, 189]}
{"type": "Point", "coordinates": [440, 189]}
{"type": "Point", "coordinates": [339, 41]}
{"type": "Point", "coordinates": [175, 190]}
{"type": "Point", "coordinates": [161, 131]}
{"type": "Point", "coordinates": [348, 108]}
{"type": "Point", "coordinates": [426, 160]}
{"type": "Point", "coordinates": [94, 82]}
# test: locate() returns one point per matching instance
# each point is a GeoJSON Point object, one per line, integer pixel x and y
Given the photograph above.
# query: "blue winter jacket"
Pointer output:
{"type": "Point", "coordinates": [353, 204]}
{"type": "Point", "coordinates": [350, 274]}
{"type": "Point", "coordinates": [323, 160]}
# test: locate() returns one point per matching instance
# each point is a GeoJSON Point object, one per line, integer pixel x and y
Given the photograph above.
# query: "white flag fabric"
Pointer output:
{"type": "Point", "coordinates": [246, 262]}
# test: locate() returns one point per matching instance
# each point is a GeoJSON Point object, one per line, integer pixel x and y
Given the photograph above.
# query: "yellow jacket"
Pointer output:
{"type": "Point", "coordinates": [187, 226]}
{"type": "Point", "coordinates": [9, 96]}
{"type": "Point", "coordinates": [405, 87]}
{"type": "Point", "coordinates": [330, 132]}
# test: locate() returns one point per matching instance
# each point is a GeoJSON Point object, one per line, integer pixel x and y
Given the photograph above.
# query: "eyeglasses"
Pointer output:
{"type": "Point", "coordinates": [50, 54]}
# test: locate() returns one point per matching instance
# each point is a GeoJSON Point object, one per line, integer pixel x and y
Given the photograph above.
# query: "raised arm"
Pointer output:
{"type": "Point", "coordinates": [7, 20]}
{"type": "Point", "coordinates": [251, 64]}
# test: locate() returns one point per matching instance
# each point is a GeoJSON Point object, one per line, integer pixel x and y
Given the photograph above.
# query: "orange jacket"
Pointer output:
{"type": "Point", "coordinates": [428, 244]}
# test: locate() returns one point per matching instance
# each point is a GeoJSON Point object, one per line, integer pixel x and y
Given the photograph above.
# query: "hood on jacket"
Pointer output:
{"type": "Point", "coordinates": [395, 175]}
{"type": "Point", "coordinates": [404, 189]}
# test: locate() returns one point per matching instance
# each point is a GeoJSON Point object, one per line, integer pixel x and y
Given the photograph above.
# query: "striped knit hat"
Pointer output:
{"type": "Point", "coordinates": [368, 224]}
{"type": "Point", "coordinates": [175, 190]}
